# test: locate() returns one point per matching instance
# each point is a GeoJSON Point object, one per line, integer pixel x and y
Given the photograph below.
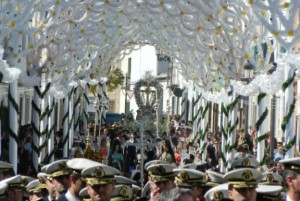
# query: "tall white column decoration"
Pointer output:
{"type": "Point", "coordinates": [13, 123]}
{"type": "Point", "coordinates": [203, 127]}
{"type": "Point", "coordinates": [86, 103]}
{"type": "Point", "coordinates": [232, 132]}
{"type": "Point", "coordinates": [44, 115]}
{"type": "Point", "coordinates": [223, 126]}
{"type": "Point", "coordinates": [183, 107]}
{"type": "Point", "coordinates": [58, 117]}
{"type": "Point", "coordinates": [195, 114]}
{"type": "Point", "coordinates": [1, 108]}
{"type": "Point", "coordinates": [65, 122]}
{"type": "Point", "coordinates": [261, 127]}
{"type": "Point", "coordinates": [287, 125]}
{"type": "Point", "coordinates": [76, 111]}
{"type": "Point", "coordinates": [51, 125]}
{"type": "Point", "coordinates": [219, 116]}
{"type": "Point", "coordinates": [298, 113]}
{"type": "Point", "coordinates": [100, 96]}
{"type": "Point", "coordinates": [29, 108]}
{"type": "Point", "coordinates": [36, 127]}
{"type": "Point", "coordinates": [71, 118]}
{"type": "Point", "coordinates": [105, 100]}
{"type": "Point", "coordinates": [23, 109]}
{"type": "Point", "coordinates": [232, 121]}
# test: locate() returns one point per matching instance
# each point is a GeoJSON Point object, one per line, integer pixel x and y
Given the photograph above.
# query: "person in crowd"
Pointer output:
{"type": "Point", "coordinates": [243, 183]}
{"type": "Point", "coordinates": [34, 191]}
{"type": "Point", "coordinates": [280, 153]}
{"type": "Point", "coordinates": [291, 178]}
{"type": "Point", "coordinates": [28, 145]}
{"type": "Point", "coordinates": [167, 153]}
{"type": "Point", "coordinates": [76, 165]}
{"type": "Point", "coordinates": [269, 139]}
{"type": "Point", "coordinates": [59, 172]}
{"type": "Point", "coordinates": [191, 179]}
{"type": "Point", "coordinates": [103, 150]}
{"type": "Point", "coordinates": [116, 157]}
{"type": "Point", "coordinates": [279, 144]}
{"type": "Point", "coordinates": [176, 122]}
{"type": "Point", "coordinates": [243, 151]}
{"type": "Point", "coordinates": [214, 153]}
{"type": "Point", "coordinates": [6, 170]}
{"type": "Point", "coordinates": [210, 138]}
{"type": "Point", "coordinates": [130, 154]}
{"type": "Point", "coordinates": [177, 156]}
{"type": "Point", "coordinates": [218, 193]}
{"type": "Point", "coordinates": [176, 194]}
{"type": "Point", "coordinates": [50, 196]}
{"type": "Point", "coordinates": [100, 182]}
{"type": "Point", "coordinates": [16, 187]}
{"type": "Point", "coordinates": [161, 178]}
{"type": "Point", "coordinates": [174, 137]}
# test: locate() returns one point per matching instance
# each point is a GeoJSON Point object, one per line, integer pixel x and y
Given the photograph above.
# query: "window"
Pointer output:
{"type": "Point", "coordinates": [112, 106]}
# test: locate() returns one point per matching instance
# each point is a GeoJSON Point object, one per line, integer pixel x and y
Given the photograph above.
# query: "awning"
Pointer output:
{"type": "Point", "coordinates": [113, 117]}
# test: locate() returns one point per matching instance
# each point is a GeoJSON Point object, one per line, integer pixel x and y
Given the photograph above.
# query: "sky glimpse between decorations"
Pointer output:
{"type": "Point", "coordinates": [209, 41]}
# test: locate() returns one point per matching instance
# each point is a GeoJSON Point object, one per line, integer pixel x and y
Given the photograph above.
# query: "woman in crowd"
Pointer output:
{"type": "Point", "coordinates": [167, 153]}
{"type": "Point", "coordinates": [116, 157]}
{"type": "Point", "coordinates": [103, 150]}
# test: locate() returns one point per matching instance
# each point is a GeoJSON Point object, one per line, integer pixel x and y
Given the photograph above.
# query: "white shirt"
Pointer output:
{"type": "Point", "coordinates": [288, 198]}
{"type": "Point", "coordinates": [71, 197]}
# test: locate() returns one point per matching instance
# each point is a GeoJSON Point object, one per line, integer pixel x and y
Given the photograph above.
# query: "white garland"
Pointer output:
{"type": "Point", "coordinates": [267, 83]}
{"type": "Point", "coordinates": [29, 81]}
{"type": "Point", "coordinates": [10, 74]}
{"type": "Point", "coordinates": [217, 97]}
{"type": "Point", "coordinates": [58, 91]}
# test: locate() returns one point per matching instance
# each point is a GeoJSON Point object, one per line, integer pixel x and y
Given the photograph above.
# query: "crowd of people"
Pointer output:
{"type": "Point", "coordinates": [118, 165]}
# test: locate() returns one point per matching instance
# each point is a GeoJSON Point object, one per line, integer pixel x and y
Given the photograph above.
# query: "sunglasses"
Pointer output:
{"type": "Point", "coordinates": [158, 183]}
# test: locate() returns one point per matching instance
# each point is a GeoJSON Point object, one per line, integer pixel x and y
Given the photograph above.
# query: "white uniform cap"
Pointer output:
{"type": "Point", "coordinates": [153, 162]}
{"type": "Point", "coordinates": [213, 178]}
{"type": "Point", "coordinates": [6, 167]}
{"type": "Point", "coordinates": [161, 172]}
{"type": "Point", "coordinates": [136, 191]}
{"type": "Point", "coordinates": [188, 177]}
{"type": "Point", "coordinates": [84, 193]}
{"type": "Point", "coordinates": [33, 186]}
{"type": "Point", "coordinates": [76, 165]}
{"type": "Point", "coordinates": [291, 164]}
{"type": "Point", "coordinates": [101, 174]}
{"type": "Point", "coordinates": [243, 177]}
{"type": "Point", "coordinates": [271, 178]}
{"type": "Point", "coordinates": [194, 165]}
{"type": "Point", "coordinates": [269, 193]}
{"type": "Point", "coordinates": [42, 177]}
{"type": "Point", "coordinates": [43, 169]}
{"type": "Point", "coordinates": [135, 172]}
{"type": "Point", "coordinates": [58, 168]}
{"type": "Point", "coordinates": [146, 189]}
{"type": "Point", "coordinates": [122, 193]}
{"type": "Point", "coordinates": [247, 162]}
{"type": "Point", "coordinates": [18, 181]}
{"type": "Point", "coordinates": [81, 163]}
{"type": "Point", "coordinates": [217, 193]}
{"type": "Point", "coordinates": [121, 180]}
{"type": "Point", "coordinates": [3, 187]}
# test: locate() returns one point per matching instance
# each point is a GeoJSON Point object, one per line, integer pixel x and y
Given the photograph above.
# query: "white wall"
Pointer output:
{"type": "Point", "coordinates": [142, 60]}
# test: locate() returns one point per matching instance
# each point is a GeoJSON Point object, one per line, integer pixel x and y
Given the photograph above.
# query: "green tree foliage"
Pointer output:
{"type": "Point", "coordinates": [115, 80]}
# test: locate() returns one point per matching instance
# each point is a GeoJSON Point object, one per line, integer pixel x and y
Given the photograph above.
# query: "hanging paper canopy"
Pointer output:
{"type": "Point", "coordinates": [203, 38]}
